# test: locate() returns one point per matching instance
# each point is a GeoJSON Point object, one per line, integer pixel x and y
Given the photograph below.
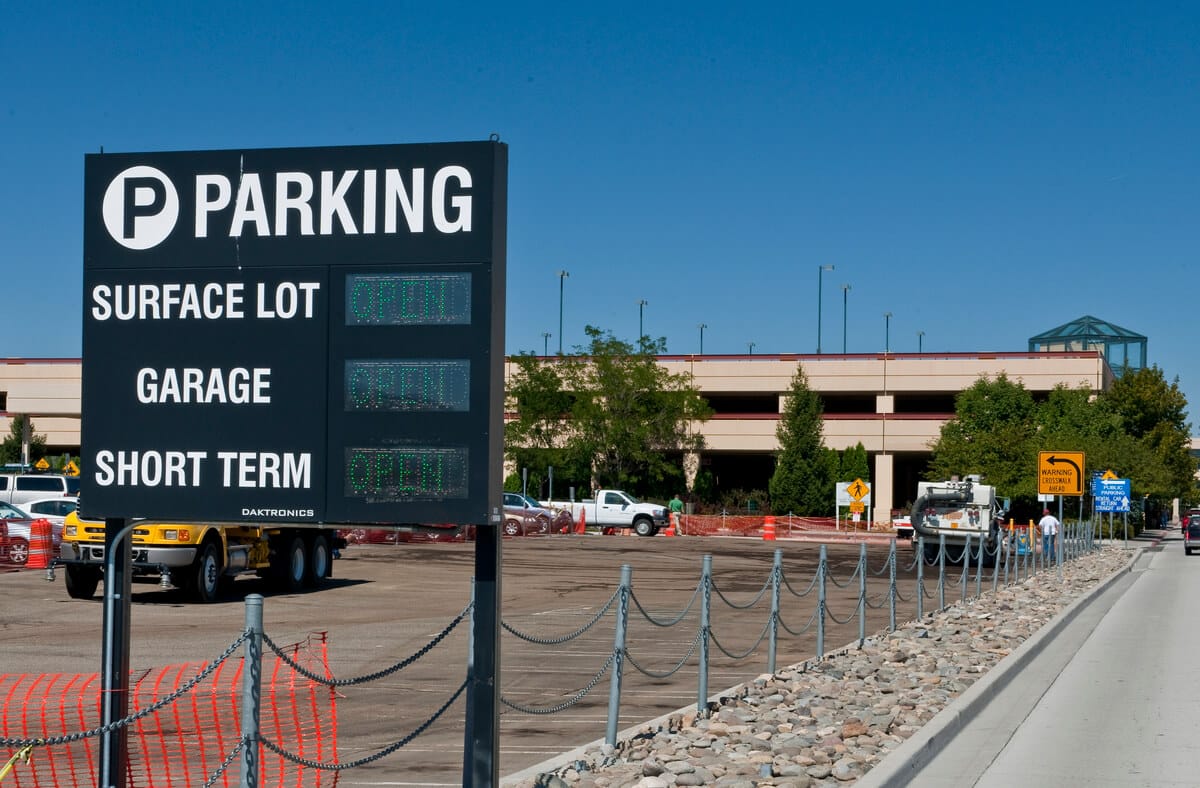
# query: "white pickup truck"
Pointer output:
{"type": "Point", "coordinates": [616, 509]}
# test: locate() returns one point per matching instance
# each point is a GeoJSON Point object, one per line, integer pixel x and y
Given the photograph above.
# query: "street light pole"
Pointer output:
{"type": "Point", "coordinates": [845, 291]}
{"type": "Point", "coordinates": [887, 331]}
{"type": "Point", "coordinates": [562, 277]}
{"type": "Point", "coordinates": [821, 269]}
{"type": "Point", "coordinates": [702, 326]}
{"type": "Point", "coordinates": [920, 340]}
{"type": "Point", "coordinates": [750, 346]}
{"type": "Point", "coordinates": [641, 310]}
{"type": "Point", "coordinates": [545, 343]}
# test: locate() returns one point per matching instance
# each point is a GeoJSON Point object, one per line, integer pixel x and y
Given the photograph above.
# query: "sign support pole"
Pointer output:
{"type": "Point", "coordinates": [114, 667]}
{"type": "Point", "coordinates": [481, 764]}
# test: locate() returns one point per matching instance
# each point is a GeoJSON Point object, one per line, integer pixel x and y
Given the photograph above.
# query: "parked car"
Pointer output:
{"type": "Point", "coordinates": [14, 547]}
{"type": "Point", "coordinates": [524, 516]}
{"type": "Point", "coordinates": [53, 509]}
{"type": "Point", "coordinates": [17, 488]}
{"type": "Point", "coordinates": [1191, 534]}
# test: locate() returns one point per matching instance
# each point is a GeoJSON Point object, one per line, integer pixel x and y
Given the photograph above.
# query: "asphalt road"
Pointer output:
{"type": "Point", "coordinates": [1110, 702]}
{"type": "Point", "coordinates": [387, 601]}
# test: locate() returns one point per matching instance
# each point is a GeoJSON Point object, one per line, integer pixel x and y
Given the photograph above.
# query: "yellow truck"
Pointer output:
{"type": "Point", "coordinates": [202, 559]}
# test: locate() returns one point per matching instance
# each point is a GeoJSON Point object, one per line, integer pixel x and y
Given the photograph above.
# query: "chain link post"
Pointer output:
{"type": "Point", "coordinates": [966, 572]}
{"type": "Point", "coordinates": [862, 594]}
{"type": "Point", "coordinates": [776, 574]}
{"type": "Point", "coordinates": [941, 571]}
{"type": "Point", "coordinates": [614, 689]}
{"type": "Point", "coordinates": [892, 586]}
{"type": "Point", "coordinates": [821, 604]}
{"type": "Point", "coordinates": [920, 577]}
{"type": "Point", "coordinates": [252, 690]}
{"type": "Point", "coordinates": [979, 566]}
{"type": "Point", "coordinates": [705, 607]}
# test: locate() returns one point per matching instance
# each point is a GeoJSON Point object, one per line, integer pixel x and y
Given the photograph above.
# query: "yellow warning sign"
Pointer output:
{"type": "Point", "coordinates": [1060, 473]}
{"type": "Point", "coordinates": [858, 507]}
{"type": "Point", "coordinates": [1108, 475]}
{"type": "Point", "coordinates": [72, 469]}
{"type": "Point", "coordinates": [42, 465]}
{"type": "Point", "coordinates": [859, 489]}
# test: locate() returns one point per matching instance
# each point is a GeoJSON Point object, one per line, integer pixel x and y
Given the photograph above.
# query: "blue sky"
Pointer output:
{"type": "Point", "coordinates": [984, 172]}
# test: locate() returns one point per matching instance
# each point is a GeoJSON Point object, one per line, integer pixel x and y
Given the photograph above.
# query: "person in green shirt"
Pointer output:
{"type": "Point", "coordinates": [676, 508]}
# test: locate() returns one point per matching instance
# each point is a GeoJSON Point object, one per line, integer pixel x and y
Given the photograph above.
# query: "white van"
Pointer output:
{"type": "Point", "coordinates": [16, 488]}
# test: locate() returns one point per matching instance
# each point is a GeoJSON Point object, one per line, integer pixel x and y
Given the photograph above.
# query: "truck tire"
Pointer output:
{"type": "Point", "coordinates": [82, 581]}
{"type": "Point", "coordinates": [289, 563]}
{"type": "Point", "coordinates": [317, 566]}
{"type": "Point", "coordinates": [203, 582]}
{"type": "Point", "coordinates": [644, 526]}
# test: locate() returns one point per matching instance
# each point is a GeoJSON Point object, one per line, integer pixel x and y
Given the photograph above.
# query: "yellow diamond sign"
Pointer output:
{"type": "Point", "coordinates": [1108, 476]}
{"type": "Point", "coordinates": [859, 489]}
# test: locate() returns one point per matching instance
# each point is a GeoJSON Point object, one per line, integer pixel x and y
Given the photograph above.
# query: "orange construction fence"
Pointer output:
{"type": "Point", "coordinates": [183, 743]}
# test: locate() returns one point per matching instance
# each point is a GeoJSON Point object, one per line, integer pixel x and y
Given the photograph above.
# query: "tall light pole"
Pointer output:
{"type": "Point", "coordinates": [845, 292]}
{"type": "Point", "coordinates": [920, 340]}
{"type": "Point", "coordinates": [702, 326]}
{"type": "Point", "coordinates": [821, 269]}
{"type": "Point", "coordinates": [641, 312]}
{"type": "Point", "coordinates": [887, 331]}
{"type": "Point", "coordinates": [562, 277]}
{"type": "Point", "coordinates": [545, 343]}
{"type": "Point", "coordinates": [750, 347]}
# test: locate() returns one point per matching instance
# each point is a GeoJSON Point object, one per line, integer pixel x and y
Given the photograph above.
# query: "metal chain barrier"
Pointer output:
{"type": "Point", "coordinates": [612, 657]}
{"type": "Point", "coordinates": [386, 751]}
{"type": "Point", "coordinates": [328, 682]}
{"type": "Point", "coordinates": [225, 764]}
{"type": "Point", "coordinates": [811, 585]}
{"type": "Point", "coordinates": [657, 675]}
{"type": "Point", "coordinates": [664, 623]}
{"type": "Point", "coordinates": [762, 636]}
{"type": "Point", "coordinates": [766, 587]}
{"type": "Point", "coordinates": [849, 580]}
{"type": "Point", "coordinates": [565, 638]}
{"type": "Point", "coordinates": [837, 620]}
{"type": "Point", "coordinates": [167, 700]}
{"type": "Point", "coordinates": [803, 629]}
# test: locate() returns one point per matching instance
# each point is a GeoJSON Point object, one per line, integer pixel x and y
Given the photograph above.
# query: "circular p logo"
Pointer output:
{"type": "Point", "coordinates": [140, 207]}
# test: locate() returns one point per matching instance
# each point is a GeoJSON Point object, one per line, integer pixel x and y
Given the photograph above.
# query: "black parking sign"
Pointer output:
{"type": "Point", "coordinates": [307, 335]}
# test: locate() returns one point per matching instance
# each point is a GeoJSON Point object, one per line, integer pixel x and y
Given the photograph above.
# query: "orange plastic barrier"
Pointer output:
{"type": "Point", "coordinates": [183, 743]}
{"type": "Point", "coordinates": [41, 542]}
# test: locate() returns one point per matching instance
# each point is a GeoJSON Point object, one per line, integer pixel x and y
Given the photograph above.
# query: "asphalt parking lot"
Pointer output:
{"type": "Point", "coordinates": [387, 601]}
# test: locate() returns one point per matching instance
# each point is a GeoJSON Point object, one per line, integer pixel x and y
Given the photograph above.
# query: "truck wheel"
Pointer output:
{"type": "Point", "coordinates": [289, 564]}
{"type": "Point", "coordinates": [82, 581]}
{"type": "Point", "coordinates": [644, 526]}
{"type": "Point", "coordinates": [318, 561]}
{"type": "Point", "coordinates": [204, 580]}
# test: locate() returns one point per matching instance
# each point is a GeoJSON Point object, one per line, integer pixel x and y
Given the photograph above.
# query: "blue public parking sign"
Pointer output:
{"type": "Point", "coordinates": [1112, 495]}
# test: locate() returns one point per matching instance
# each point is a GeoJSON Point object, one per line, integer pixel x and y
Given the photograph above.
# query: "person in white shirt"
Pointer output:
{"type": "Point", "coordinates": [1049, 526]}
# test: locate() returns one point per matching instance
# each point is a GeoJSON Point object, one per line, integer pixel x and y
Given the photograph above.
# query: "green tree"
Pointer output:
{"type": "Point", "coordinates": [10, 449]}
{"type": "Point", "coordinates": [611, 412]}
{"type": "Point", "coordinates": [1153, 413]}
{"type": "Point", "coordinates": [805, 471]}
{"type": "Point", "coordinates": [994, 434]}
{"type": "Point", "coordinates": [855, 464]}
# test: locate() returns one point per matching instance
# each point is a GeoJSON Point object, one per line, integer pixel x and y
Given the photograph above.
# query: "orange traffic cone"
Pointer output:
{"type": "Point", "coordinates": [670, 526]}
{"type": "Point", "coordinates": [769, 528]}
{"type": "Point", "coordinates": [581, 526]}
{"type": "Point", "coordinates": [41, 540]}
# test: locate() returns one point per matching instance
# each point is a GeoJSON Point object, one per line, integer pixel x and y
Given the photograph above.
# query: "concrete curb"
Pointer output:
{"type": "Point", "coordinates": [897, 768]}
{"type": "Point", "coordinates": [901, 765]}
